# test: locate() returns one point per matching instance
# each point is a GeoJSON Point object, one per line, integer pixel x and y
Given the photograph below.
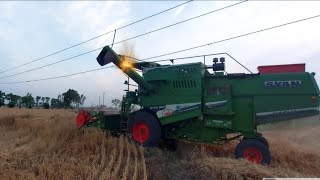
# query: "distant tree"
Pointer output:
{"type": "Point", "coordinates": [18, 100]}
{"type": "Point", "coordinates": [116, 102]}
{"type": "Point", "coordinates": [60, 97]}
{"type": "Point", "coordinates": [2, 98]}
{"type": "Point", "coordinates": [55, 103]}
{"type": "Point", "coordinates": [42, 99]}
{"type": "Point", "coordinates": [47, 99]}
{"type": "Point", "coordinates": [12, 100]}
{"type": "Point", "coordinates": [27, 100]}
{"type": "Point", "coordinates": [46, 105]}
{"type": "Point", "coordinates": [37, 100]}
{"type": "Point", "coordinates": [82, 99]}
{"type": "Point", "coordinates": [11, 104]}
{"type": "Point", "coordinates": [9, 97]}
{"type": "Point", "coordinates": [71, 98]}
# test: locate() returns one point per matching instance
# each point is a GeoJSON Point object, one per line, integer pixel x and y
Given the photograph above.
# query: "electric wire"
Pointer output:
{"type": "Point", "coordinates": [96, 37]}
{"type": "Point", "coordinates": [63, 76]}
{"type": "Point", "coordinates": [187, 49]}
{"type": "Point", "coordinates": [124, 40]}
{"type": "Point", "coordinates": [234, 37]}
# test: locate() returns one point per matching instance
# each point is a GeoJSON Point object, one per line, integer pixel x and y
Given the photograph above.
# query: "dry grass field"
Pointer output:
{"type": "Point", "coordinates": [45, 144]}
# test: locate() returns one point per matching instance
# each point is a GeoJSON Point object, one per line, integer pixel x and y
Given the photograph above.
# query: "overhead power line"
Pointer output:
{"type": "Point", "coordinates": [63, 76]}
{"type": "Point", "coordinates": [234, 37]}
{"type": "Point", "coordinates": [182, 50]}
{"type": "Point", "coordinates": [98, 69]}
{"type": "Point", "coordinates": [134, 37]}
{"type": "Point", "coordinates": [96, 37]}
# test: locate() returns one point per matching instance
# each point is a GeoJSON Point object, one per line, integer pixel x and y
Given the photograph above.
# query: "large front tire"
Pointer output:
{"type": "Point", "coordinates": [261, 139]}
{"type": "Point", "coordinates": [144, 129]}
{"type": "Point", "coordinates": [254, 151]}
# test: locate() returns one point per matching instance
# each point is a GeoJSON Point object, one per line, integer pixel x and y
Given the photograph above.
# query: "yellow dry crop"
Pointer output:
{"type": "Point", "coordinates": [46, 144]}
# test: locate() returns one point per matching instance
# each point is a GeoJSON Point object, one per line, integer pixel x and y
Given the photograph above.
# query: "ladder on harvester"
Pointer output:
{"type": "Point", "coordinates": [124, 116]}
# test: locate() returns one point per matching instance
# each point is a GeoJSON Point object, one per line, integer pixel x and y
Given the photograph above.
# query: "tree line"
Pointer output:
{"type": "Point", "coordinates": [68, 99]}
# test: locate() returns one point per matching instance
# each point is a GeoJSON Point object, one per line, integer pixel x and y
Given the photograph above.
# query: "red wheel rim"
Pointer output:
{"type": "Point", "coordinates": [82, 118]}
{"type": "Point", "coordinates": [253, 154]}
{"type": "Point", "coordinates": [140, 132]}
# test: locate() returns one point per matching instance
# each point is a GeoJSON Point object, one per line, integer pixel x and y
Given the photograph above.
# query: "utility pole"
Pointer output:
{"type": "Point", "coordinates": [128, 84]}
{"type": "Point", "coordinates": [103, 98]}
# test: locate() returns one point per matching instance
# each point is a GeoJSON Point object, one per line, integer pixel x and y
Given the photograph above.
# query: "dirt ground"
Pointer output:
{"type": "Point", "coordinates": [45, 144]}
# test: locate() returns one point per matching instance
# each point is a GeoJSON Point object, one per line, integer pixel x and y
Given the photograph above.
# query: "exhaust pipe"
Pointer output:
{"type": "Point", "coordinates": [107, 55]}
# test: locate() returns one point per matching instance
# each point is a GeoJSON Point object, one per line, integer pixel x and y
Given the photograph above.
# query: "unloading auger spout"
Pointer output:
{"type": "Point", "coordinates": [107, 55]}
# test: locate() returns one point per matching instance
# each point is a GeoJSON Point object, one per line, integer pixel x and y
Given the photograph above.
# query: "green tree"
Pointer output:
{"type": "Point", "coordinates": [42, 99]}
{"type": "Point", "coordinates": [37, 100]}
{"type": "Point", "coordinates": [2, 98]}
{"type": "Point", "coordinates": [116, 102]}
{"type": "Point", "coordinates": [47, 99]}
{"type": "Point", "coordinates": [71, 98]}
{"type": "Point", "coordinates": [12, 100]}
{"type": "Point", "coordinates": [19, 100]}
{"type": "Point", "coordinates": [46, 105]}
{"type": "Point", "coordinates": [82, 99]}
{"type": "Point", "coordinates": [9, 97]}
{"type": "Point", "coordinates": [11, 104]}
{"type": "Point", "coordinates": [60, 98]}
{"type": "Point", "coordinates": [55, 103]}
{"type": "Point", "coordinates": [27, 100]}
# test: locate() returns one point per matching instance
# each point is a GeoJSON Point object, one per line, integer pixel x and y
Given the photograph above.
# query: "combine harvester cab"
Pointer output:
{"type": "Point", "coordinates": [187, 102]}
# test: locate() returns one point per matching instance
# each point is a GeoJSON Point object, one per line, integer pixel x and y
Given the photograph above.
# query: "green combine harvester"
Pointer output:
{"type": "Point", "coordinates": [187, 102]}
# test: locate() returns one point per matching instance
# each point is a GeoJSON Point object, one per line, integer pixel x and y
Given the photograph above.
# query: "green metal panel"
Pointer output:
{"type": "Point", "coordinates": [272, 108]}
{"type": "Point", "coordinates": [218, 123]}
{"type": "Point", "coordinates": [176, 72]}
{"type": "Point", "coordinates": [110, 122]}
{"type": "Point", "coordinates": [280, 97]}
{"type": "Point", "coordinates": [178, 94]}
{"type": "Point", "coordinates": [113, 123]}
{"type": "Point", "coordinates": [181, 116]}
{"type": "Point", "coordinates": [255, 85]}
{"type": "Point", "coordinates": [275, 102]}
{"type": "Point", "coordinates": [194, 130]}
{"type": "Point", "coordinates": [243, 119]}
{"type": "Point", "coordinates": [217, 98]}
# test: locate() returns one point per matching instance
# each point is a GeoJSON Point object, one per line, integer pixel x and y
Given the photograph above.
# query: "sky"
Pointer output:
{"type": "Point", "coordinates": [31, 30]}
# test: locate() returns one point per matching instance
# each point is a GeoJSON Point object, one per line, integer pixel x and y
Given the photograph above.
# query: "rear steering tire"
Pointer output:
{"type": "Point", "coordinates": [254, 151]}
{"type": "Point", "coordinates": [144, 128]}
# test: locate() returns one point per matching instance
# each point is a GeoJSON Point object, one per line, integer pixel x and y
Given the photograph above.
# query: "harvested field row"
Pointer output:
{"type": "Point", "coordinates": [45, 144]}
{"type": "Point", "coordinates": [48, 146]}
